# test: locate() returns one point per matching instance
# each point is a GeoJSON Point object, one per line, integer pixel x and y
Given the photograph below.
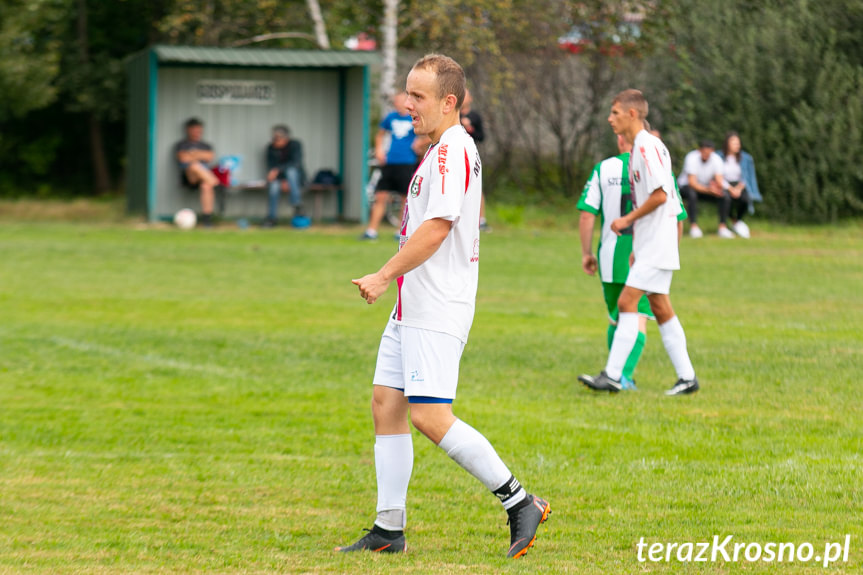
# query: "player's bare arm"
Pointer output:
{"type": "Point", "coordinates": [656, 199]}
{"type": "Point", "coordinates": [380, 149]}
{"type": "Point", "coordinates": [424, 242]}
{"type": "Point", "coordinates": [585, 231]}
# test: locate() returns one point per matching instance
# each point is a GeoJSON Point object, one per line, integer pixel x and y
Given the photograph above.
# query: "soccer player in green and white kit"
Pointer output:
{"type": "Point", "coordinates": [607, 194]}
{"type": "Point", "coordinates": [656, 239]}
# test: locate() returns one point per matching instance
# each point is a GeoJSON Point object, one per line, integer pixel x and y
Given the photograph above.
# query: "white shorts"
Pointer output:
{"type": "Point", "coordinates": [420, 362]}
{"type": "Point", "coordinates": [649, 279]}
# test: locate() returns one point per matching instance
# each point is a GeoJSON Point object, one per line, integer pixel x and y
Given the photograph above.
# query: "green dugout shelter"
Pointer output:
{"type": "Point", "coordinates": [240, 94]}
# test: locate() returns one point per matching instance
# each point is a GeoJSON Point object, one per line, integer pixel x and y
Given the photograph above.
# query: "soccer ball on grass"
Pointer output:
{"type": "Point", "coordinates": [185, 219]}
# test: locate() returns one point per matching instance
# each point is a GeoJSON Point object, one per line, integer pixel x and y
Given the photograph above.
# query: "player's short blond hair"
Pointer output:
{"type": "Point", "coordinates": [449, 74]}
{"type": "Point", "coordinates": [632, 99]}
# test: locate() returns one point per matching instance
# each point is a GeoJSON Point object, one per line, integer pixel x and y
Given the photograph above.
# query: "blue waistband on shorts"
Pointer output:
{"type": "Point", "coordinates": [425, 399]}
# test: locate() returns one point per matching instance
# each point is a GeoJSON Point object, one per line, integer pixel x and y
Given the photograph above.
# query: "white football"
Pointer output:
{"type": "Point", "coordinates": [185, 219]}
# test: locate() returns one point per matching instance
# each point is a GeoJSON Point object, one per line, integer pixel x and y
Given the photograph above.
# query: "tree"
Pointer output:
{"type": "Point", "coordinates": [29, 54]}
{"type": "Point", "coordinates": [789, 81]}
{"type": "Point", "coordinates": [389, 29]}
{"type": "Point", "coordinates": [320, 27]}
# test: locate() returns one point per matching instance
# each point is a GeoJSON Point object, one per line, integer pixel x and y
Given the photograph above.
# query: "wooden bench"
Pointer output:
{"type": "Point", "coordinates": [318, 191]}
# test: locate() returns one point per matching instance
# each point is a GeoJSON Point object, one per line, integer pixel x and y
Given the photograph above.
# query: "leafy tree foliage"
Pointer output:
{"type": "Point", "coordinates": [788, 77]}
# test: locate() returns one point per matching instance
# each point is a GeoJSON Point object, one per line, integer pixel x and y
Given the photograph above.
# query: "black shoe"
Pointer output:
{"type": "Point", "coordinates": [684, 386]}
{"type": "Point", "coordinates": [378, 540]}
{"type": "Point", "coordinates": [207, 220]}
{"type": "Point", "coordinates": [601, 382]}
{"type": "Point", "coordinates": [269, 223]}
{"type": "Point", "coordinates": [524, 520]}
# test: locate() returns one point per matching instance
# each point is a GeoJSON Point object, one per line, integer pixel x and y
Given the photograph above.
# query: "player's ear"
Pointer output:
{"type": "Point", "coordinates": [449, 103]}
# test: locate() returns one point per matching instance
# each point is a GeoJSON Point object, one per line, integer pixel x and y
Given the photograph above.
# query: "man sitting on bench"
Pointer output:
{"type": "Point", "coordinates": [194, 156]}
{"type": "Point", "coordinates": [284, 170]}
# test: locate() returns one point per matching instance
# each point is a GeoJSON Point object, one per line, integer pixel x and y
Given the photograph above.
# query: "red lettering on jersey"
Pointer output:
{"type": "Point", "coordinates": [441, 159]}
{"type": "Point", "coordinates": [658, 155]}
{"type": "Point", "coordinates": [441, 165]}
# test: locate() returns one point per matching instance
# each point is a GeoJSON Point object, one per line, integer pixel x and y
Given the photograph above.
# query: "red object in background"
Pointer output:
{"type": "Point", "coordinates": [224, 175]}
{"type": "Point", "coordinates": [609, 43]}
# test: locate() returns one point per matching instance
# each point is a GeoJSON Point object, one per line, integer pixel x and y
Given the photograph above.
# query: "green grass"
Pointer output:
{"type": "Point", "coordinates": [199, 402]}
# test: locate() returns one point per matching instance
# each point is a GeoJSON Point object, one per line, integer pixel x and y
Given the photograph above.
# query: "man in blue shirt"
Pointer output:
{"type": "Point", "coordinates": [397, 163]}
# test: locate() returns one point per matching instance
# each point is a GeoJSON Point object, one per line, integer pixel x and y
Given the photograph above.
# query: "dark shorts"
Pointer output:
{"type": "Point", "coordinates": [396, 178]}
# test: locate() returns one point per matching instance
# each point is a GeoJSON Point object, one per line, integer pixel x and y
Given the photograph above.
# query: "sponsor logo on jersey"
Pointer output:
{"type": "Point", "coordinates": [415, 186]}
{"type": "Point", "coordinates": [441, 159]}
{"type": "Point", "coordinates": [475, 257]}
{"type": "Point", "coordinates": [636, 176]}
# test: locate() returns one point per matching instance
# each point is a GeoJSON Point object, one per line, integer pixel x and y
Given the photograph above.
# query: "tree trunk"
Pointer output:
{"type": "Point", "coordinates": [390, 52]}
{"type": "Point", "coordinates": [101, 177]}
{"type": "Point", "coordinates": [320, 28]}
{"type": "Point", "coordinates": [98, 158]}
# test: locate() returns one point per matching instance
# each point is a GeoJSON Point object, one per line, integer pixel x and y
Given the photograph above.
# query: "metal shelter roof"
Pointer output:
{"type": "Point", "coordinates": [260, 57]}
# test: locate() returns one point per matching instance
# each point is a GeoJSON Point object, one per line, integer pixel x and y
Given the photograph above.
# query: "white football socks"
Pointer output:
{"type": "Point", "coordinates": [674, 340]}
{"type": "Point", "coordinates": [394, 462]}
{"type": "Point", "coordinates": [470, 449]}
{"type": "Point", "coordinates": [624, 340]}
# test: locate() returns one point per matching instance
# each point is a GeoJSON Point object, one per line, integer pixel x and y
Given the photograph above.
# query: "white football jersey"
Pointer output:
{"type": "Point", "coordinates": [440, 294]}
{"type": "Point", "coordinates": [654, 235]}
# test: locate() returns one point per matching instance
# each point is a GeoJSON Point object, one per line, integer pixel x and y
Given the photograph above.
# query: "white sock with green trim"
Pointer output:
{"type": "Point", "coordinates": [624, 340]}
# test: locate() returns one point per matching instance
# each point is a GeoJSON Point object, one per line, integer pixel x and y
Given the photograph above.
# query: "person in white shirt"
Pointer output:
{"type": "Point", "coordinates": [436, 271]}
{"type": "Point", "coordinates": [740, 199]}
{"type": "Point", "coordinates": [702, 175]}
{"type": "Point", "coordinates": [654, 248]}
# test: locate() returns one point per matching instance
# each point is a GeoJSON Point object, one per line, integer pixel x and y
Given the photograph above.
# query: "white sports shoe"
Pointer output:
{"type": "Point", "coordinates": [741, 229]}
{"type": "Point", "coordinates": [695, 232]}
{"type": "Point", "coordinates": [726, 233]}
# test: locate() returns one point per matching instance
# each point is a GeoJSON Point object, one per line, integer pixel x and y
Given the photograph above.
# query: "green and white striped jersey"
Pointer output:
{"type": "Point", "coordinates": [606, 194]}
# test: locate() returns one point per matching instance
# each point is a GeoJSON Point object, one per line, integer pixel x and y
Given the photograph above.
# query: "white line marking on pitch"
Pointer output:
{"type": "Point", "coordinates": [160, 361]}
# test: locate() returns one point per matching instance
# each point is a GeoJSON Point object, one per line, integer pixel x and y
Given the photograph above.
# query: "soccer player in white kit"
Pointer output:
{"type": "Point", "coordinates": [436, 273]}
{"type": "Point", "coordinates": [655, 249]}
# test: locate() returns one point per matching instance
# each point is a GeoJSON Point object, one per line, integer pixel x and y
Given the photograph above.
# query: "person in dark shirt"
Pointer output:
{"type": "Point", "coordinates": [193, 156]}
{"type": "Point", "coordinates": [284, 172]}
{"type": "Point", "coordinates": [472, 122]}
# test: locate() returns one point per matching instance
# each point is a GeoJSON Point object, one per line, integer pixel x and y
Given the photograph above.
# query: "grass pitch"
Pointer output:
{"type": "Point", "coordinates": [185, 402]}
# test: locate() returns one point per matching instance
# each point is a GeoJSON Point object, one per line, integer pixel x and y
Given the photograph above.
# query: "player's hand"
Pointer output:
{"type": "Point", "coordinates": [619, 225]}
{"type": "Point", "coordinates": [371, 286]}
{"type": "Point", "coordinates": [588, 264]}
